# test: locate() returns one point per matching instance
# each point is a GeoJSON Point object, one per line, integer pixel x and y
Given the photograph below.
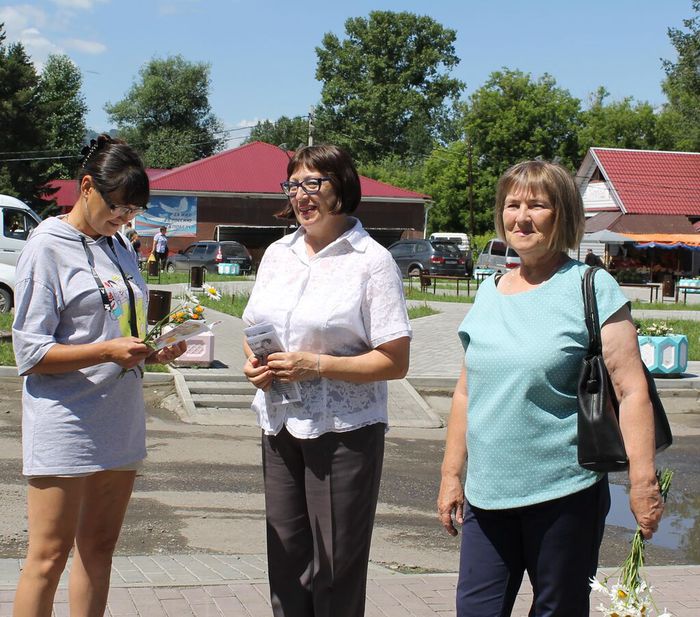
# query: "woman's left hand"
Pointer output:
{"type": "Point", "coordinates": [289, 366]}
{"type": "Point", "coordinates": [167, 354]}
{"type": "Point", "coordinates": [647, 505]}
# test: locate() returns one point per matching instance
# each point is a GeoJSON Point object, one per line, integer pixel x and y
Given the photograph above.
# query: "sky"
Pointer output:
{"type": "Point", "coordinates": [263, 59]}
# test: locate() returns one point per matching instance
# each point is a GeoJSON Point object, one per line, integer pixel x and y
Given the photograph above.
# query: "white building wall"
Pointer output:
{"type": "Point", "coordinates": [597, 196]}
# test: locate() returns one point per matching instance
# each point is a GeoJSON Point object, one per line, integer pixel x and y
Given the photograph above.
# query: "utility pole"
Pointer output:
{"type": "Point", "coordinates": [311, 125]}
{"type": "Point", "coordinates": [470, 181]}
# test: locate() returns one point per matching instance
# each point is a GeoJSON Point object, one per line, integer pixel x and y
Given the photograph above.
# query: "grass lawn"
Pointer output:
{"type": "Point", "coordinates": [429, 296]}
{"type": "Point", "coordinates": [231, 304]}
{"type": "Point", "coordinates": [414, 312]}
{"type": "Point", "coordinates": [665, 306]}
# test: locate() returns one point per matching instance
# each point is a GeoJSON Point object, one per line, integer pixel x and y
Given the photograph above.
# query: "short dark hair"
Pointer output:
{"type": "Point", "coordinates": [115, 167]}
{"type": "Point", "coordinates": [334, 162]}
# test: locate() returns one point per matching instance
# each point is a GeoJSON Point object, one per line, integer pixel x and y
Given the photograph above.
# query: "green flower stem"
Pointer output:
{"type": "Point", "coordinates": [630, 575]}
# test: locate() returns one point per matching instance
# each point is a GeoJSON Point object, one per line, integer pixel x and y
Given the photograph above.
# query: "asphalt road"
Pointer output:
{"type": "Point", "coordinates": [201, 491]}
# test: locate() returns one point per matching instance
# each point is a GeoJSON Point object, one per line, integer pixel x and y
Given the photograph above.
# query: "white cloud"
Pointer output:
{"type": "Point", "coordinates": [86, 47]}
{"type": "Point", "coordinates": [20, 17]}
{"type": "Point", "coordinates": [23, 24]}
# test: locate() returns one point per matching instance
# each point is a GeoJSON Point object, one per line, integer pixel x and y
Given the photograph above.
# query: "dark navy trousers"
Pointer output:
{"type": "Point", "coordinates": [555, 542]}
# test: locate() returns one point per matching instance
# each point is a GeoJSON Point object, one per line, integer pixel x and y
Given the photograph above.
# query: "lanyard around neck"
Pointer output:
{"type": "Point", "coordinates": [101, 288]}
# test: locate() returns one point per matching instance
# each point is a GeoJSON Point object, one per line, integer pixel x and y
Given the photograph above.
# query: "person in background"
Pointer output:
{"type": "Point", "coordinates": [80, 316]}
{"type": "Point", "coordinates": [513, 423]}
{"type": "Point", "coordinates": [322, 456]}
{"type": "Point", "coordinates": [160, 247]}
{"type": "Point", "coordinates": [133, 237]}
{"type": "Point", "coordinates": [592, 259]}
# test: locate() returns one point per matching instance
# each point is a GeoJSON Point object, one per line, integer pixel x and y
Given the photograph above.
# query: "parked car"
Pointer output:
{"type": "Point", "coordinates": [7, 287]}
{"type": "Point", "coordinates": [209, 254]}
{"type": "Point", "coordinates": [497, 256]}
{"type": "Point", "coordinates": [464, 244]}
{"type": "Point", "coordinates": [17, 220]}
{"type": "Point", "coordinates": [427, 256]}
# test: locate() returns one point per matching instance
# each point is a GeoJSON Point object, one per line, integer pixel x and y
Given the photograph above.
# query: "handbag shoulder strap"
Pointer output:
{"type": "Point", "coordinates": [590, 306]}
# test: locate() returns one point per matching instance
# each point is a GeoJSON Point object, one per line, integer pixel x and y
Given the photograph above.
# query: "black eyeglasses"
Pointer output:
{"type": "Point", "coordinates": [310, 186]}
{"type": "Point", "coordinates": [127, 211]}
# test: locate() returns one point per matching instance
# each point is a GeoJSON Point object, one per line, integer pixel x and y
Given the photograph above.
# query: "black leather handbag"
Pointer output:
{"type": "Point", "coordinates": [600, 443]}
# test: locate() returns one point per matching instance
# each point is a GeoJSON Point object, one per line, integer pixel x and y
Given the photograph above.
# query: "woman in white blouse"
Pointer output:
{"type": "Point", "coordinates": [335, 299]}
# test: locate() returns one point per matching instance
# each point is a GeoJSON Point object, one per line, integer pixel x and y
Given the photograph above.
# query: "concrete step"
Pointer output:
{"type": "Point", "coordinates": [222, 401]}
{"type": "Point", "coordinates": [221, 387]}
{"type": "Point", "coordinates": [206, 374]}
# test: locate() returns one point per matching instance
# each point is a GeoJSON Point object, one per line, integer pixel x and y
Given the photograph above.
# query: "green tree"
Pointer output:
{"type": "Point", "coordinates": [681, 116]}
{"type": "Point", "coordinates": [23, 127]}
{"type": "Point", "coordinates": [166, 114]}
{"type": "Point", "coordinates": [64, 104]}
{"type": "Point", "coordinates": [386, 86]}
{"type": "Point", "coordinates": [620, 124]}
{"type": "Point", "coordinates": [394, 170]}
{"type": "Point", "coordinates": [289, 132]}
{"type": "Point", "coordinates": [513, 118]}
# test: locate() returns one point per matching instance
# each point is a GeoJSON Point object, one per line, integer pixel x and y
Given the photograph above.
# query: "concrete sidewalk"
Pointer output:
{"type": "Point", "coordinates": [205, 585]}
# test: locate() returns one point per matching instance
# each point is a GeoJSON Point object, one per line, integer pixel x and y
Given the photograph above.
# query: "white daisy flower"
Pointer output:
{"type": "Point", "coordinates": [212, 292]}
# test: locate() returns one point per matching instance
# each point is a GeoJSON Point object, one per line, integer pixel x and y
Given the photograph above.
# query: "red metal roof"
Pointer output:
{"type": "Point", "coordinates": [256, 167]}
{"type": "Point", "coordinates": [653, 182]}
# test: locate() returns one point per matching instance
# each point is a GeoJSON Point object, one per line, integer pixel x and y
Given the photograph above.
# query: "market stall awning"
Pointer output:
{"type": "Point", "coordinates": [606, 236]}
{"type": "Point", "coordinates": [666, 241]}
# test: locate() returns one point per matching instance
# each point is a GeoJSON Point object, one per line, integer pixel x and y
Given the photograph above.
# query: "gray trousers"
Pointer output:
{"type": "Point", "coordinates": [320, 499]}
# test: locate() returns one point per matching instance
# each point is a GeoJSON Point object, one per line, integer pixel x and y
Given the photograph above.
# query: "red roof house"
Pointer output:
{"type": "Point", "coordinates": [253, 169]}
{"type": "Point", "coordinates": [637, 192]}
{"type": "Point", "coordinates": [238, 193]}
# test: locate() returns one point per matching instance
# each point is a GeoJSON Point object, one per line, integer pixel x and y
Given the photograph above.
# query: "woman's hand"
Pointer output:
{"type": "Point", "coordinates": [259, 375]}
{"type": "Point", "coordinates": [167, 354]}
{"type": "Point", "coordinates": [289, 366]}
{"type": "Point", "coordinates": [126, 351]}
{"type": "Point", "coordinates": [451, 500]}
{"type": "Point", "coordinates": [647, 505]}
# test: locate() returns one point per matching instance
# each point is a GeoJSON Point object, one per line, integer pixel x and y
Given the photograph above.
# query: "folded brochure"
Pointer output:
{"type": "Point", "coordinates": [181, 332]}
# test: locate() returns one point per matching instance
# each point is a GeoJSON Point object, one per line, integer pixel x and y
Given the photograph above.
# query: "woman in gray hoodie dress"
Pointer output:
{"type": "Point", "coordinates": [80, 317]}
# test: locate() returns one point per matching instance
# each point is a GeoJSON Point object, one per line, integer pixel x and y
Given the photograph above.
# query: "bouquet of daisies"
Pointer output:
{"type": "Point", "coordinates": [189, 308]}
{"type": "Point", "coordinates": [632, 596]}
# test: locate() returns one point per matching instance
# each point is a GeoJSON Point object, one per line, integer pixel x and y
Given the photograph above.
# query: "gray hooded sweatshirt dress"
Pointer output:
{"type": "Point", "coordinates": [90, 419]}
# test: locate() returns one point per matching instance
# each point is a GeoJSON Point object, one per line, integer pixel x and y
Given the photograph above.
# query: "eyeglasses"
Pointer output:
{"type": "Point", "coordinates": [310, 186]}
{"type": "Point", "coordinates": [123, 211]}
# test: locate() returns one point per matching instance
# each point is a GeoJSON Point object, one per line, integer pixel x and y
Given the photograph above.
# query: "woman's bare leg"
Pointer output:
{"type": "Point", "coordinates": [104, 504]}
{"type": "Point", "coordinates": [53, 506]}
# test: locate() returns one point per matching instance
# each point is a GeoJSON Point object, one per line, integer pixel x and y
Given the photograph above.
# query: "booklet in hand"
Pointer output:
{"type": "Point", "coordinates": [263, 340]}
{"type": "Point", "coordinates": [181, 332]}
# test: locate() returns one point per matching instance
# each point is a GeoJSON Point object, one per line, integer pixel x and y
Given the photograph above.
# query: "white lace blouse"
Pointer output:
{"type": "Point", "coordinates": [344, 301]}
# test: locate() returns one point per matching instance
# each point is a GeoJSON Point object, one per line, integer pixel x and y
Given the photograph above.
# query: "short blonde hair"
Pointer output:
{"type": "Point", "coordinates": [558, 185]}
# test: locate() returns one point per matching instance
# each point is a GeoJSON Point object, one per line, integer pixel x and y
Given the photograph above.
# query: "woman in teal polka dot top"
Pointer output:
{"type": "Point", "coordinates": [527, 505]}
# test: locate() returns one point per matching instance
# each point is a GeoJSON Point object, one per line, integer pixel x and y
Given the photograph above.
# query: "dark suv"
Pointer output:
{"type": "Point", "coordinates": [428, 256]}
{"type": "Point", "coordinates": [209, 254]}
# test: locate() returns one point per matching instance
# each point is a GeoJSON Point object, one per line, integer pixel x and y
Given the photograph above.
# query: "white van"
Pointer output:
{"type": "Point", "coordinates": [17, 220]}
{"type": "Point", "coordinates": [462, 240]}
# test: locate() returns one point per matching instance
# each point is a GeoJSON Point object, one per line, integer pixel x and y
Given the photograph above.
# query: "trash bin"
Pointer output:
{"type": "Point", "coordinates": [197, 276]}
{"type": "Point", "coordinates": [668, 286]}
{"type": "Point", "coordinates": [158, 305]}
{"type": "Point", "coordinates": [153, 267]}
